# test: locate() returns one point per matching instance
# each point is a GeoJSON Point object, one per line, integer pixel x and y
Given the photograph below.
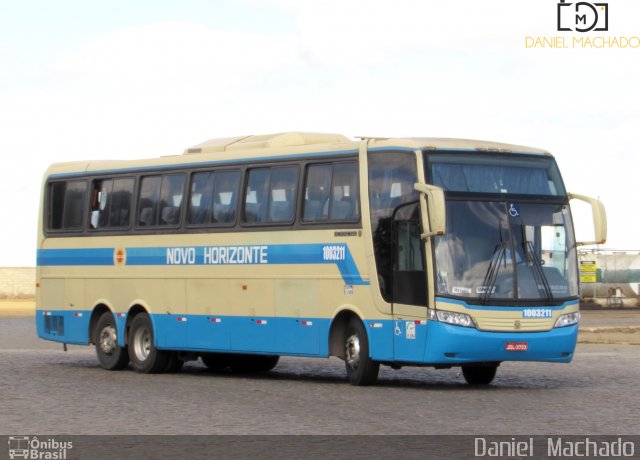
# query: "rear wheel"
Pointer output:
{"type": "Point", "coordinates": [361, 369]}
{"type": "Point", "coordinates": [105, 336]}
{"type": "Point", "coordinates": [253, 363]}
{"type": "Point", "coordinates": [145, 357]}
{"type": "Point", "coordinates": [479, 375]}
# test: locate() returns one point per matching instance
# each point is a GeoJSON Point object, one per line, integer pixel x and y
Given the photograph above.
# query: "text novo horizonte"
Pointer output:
{"type": "Point", "coordinates": [217, 255]}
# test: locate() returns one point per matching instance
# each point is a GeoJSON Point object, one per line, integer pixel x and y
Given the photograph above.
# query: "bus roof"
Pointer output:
{"type": "Point", "coordinates": [281, 145]}
{"type": "Point", "coordinates": [293, 139]}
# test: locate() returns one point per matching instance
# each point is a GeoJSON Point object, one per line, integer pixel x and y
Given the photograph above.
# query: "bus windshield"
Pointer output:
{"type": "Point", "coordinates": [518, 247]}
{"type": "Point", "coordinates": [500, 250]}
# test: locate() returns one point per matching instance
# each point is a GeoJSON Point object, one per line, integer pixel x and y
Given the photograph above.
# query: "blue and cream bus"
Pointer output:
{"type": "Point", "coordinates": [396, 252]}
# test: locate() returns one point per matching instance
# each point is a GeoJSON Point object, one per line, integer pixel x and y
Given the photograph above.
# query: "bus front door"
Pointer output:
{"type": "Point", "coordinates": [409, 285]}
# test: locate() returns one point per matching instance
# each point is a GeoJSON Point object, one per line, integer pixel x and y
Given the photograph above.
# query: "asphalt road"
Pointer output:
{"type": "Point", "coordinates": [45, 390]}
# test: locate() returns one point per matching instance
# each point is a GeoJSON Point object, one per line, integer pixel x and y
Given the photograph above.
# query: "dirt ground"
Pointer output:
{"type": "Point", "coordinates": [621, 327]}
{"type": "Point", "coordinates": [15, 308]}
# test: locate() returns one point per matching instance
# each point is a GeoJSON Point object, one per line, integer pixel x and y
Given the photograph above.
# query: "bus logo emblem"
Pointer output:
{"type": "Point", "coordinates": [119, 256]}
{"type": "Point", "coordinates": [517, 324]}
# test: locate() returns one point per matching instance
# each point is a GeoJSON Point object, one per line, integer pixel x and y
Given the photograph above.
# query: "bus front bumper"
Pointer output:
{"type": "Point", "coordinates": [449, 344]}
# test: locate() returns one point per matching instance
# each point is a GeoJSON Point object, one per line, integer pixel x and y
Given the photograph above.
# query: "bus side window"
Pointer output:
{"type": "Point", "coordinates": [344, 193]}
{"type": "Point", "coordinates": [317, 192]}
{"type": "Point", "coordinates": [148, 201]}
{"type": "Point", "coordinates": [225, 197]}
{"type": "Point", "coordinates": [331, 193]}
{"type": "Point", "coordinates": [255, 207]}
{"type": "Point", "coordinates": [120, 212]}
{"type": "Point", "coordinates": [171, 194]}
{"type": "Point", "coordinates": [66, 205]}
{"type": "Point", "coordinates": [100, 203]}
{"type": "Point", "coordinates": [56, 205]}
{"type": "Point", "coordinates": [284, 184]}
{"type": "Point", "coordinates": [200, 198]}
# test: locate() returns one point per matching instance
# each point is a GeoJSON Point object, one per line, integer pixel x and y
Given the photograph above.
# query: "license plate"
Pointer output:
{"type": "Point", "coordinates": [516, 346]}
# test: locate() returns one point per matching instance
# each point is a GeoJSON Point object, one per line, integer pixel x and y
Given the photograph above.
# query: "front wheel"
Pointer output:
{"type": "Point", "coordinates": [479, 375]}
{"type": "Point", "coordinates": [145, 357]}
{"type": "Point", "coordinates": [361, 369]}
{"type": "Point", "coordinates": [105, 336]}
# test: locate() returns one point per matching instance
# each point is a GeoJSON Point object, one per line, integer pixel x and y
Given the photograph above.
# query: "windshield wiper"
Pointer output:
{"type": "Point", "coordinates": [538, 273]}
{"type": "Point", "coordinates": [492, 272]}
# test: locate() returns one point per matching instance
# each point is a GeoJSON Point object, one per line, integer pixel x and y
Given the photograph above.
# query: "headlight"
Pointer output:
{"type": "Point", "coordinates": [568, 320]}
{"type": "Point", "coordinates": [450, 317]}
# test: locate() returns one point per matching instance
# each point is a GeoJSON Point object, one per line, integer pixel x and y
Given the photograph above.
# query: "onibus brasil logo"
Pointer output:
{"type": "Point", "coordinates": [34, 448]}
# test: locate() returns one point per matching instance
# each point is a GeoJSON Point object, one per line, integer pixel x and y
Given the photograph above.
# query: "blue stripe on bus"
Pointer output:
{"type": "Point", "coordinates": [76, 256]}
{"type": "Point", "coordinates": [237, 161]}
{"type": "Point", "coordinates": [275, 254]}
{"type": "Point", "coordinates": [433, 342]}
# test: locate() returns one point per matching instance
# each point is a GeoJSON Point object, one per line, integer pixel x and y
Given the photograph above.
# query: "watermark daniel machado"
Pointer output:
{"type": "Point", "coordinates": [583, 25]}
{"type": "Point", "coordinates": [554, 447]}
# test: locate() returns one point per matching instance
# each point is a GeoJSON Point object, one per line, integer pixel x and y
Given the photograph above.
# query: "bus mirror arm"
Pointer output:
{"type": "Point", "coordinates": [436, 209]}
{"type": "Point", "coordinates": [599, 219]}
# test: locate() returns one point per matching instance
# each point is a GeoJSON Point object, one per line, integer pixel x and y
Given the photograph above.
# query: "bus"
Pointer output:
{"type": "Point", "coordinates": [379, 251]}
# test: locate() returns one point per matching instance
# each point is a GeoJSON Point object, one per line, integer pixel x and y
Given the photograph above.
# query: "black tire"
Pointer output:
{"type": "Point", "coordinates": [361, 369]}
{"type": "Point", "coordinates": [216, 361]}
{"type": "Point", "coordinates": [479, 375]}
{"type": "Point", "coordinates": [253, 363]}
{"type": "Point", "coordinates": [174, 363]}
{"type": "Point", "coordinates": [145, 357]}
{"type": "Point", "coordinates": [105, 336]}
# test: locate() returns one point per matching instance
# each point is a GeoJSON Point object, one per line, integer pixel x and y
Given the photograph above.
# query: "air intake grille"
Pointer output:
{"type": "Point", "coordinates": [54, 325]}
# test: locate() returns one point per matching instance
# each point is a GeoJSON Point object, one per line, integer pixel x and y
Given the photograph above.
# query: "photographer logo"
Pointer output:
{"type": "Point", "coordinates": [583, 25]}
{"type": "Point", "coordinates": [583, 17]}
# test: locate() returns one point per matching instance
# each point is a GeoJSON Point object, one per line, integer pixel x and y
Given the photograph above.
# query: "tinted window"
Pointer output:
{"type": "Point", "coordinates": [111, 203]}
{"type": "Point", "coordinates": [331, 193]}
{"type": "Point", "coordinates": [487, 173]}
{"type": "Point", "coordinates": [213, 197]}
{"type": "Point", "coordinates": [160, 200]}
{"type": "Point", "coordinates": [344, 193]}
{"type": "Point", "coordinates": [66, 205]}
{"type": "Point", "coordinates": [391, 180]}
{"type": "Point", "coordinates": [271, 194]}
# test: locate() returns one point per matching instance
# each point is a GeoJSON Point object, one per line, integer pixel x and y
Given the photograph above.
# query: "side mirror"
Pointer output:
{"type": "Point", "coordinates": [599, 219]}
{"type": "Point", "coordinates": [436, 211]}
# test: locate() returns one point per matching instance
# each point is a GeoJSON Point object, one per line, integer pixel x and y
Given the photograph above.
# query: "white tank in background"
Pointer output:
{"type": "Point", "coordinates": [618, 278]}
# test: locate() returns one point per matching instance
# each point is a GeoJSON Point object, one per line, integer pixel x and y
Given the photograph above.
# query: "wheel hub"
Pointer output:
{"type": "Point", "coordinates": [352, 351]}
{"type": "Point", "coordinates": [142, 344]}
{"type": "Point", "coordinates": [108, 340]}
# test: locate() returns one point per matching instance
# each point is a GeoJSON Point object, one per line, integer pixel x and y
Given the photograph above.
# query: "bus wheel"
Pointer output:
{"type": "Point", "coordinates": [361, 369]}
{"type": "Point", "coordinates": [174, 363]}
{"type": "Point", "coordinates": [479, 375]}
{"type": "Point", "coordinates": [216, 361]}
{"type": "Point", "coordinates": [110, 355]}
{"type": "Point", "coordinates": [145, 357]}
{"type": "Point", "coordinates": [253, 363]}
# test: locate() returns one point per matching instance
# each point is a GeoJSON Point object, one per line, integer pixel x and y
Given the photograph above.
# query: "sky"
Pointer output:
{"type": "Point", "coordinates": [83, 80]}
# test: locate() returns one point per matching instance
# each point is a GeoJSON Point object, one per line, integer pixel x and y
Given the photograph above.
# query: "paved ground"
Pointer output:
{"type": "Point", "coordinates": [45, 390]}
